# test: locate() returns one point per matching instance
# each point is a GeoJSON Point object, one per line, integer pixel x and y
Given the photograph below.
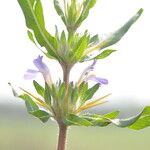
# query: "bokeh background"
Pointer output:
{"type": "Point", "coordinates": [127, 71]}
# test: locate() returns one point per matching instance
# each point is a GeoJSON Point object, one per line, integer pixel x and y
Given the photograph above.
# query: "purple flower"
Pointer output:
{"type": "Point", "coordinates": [41, 68]}
{"type": "Point", "coordinates": [86, 75]}
{"type": "Point", "coordinates": [98, 79]}
{"type": "Point", "coordinates": [89, 68]}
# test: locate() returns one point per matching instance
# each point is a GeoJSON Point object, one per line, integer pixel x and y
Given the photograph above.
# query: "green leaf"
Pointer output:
{"type": "Point", "coordinates": [33, 13]}
{"type": "Point", "coordinates": [74, 95]}
{"type": "Point", "coordinates": [63, 38]}
{"type": "Point", "coordinates": [62, 91]}
{"type": "Point", "coordinates": [81, 46]}
{"type": "Point", "coordinates": [90, 92]}
{"type": "Point", "coordinates": [125, 122]}
{"type": "Point", "coordinates": [42, 115]}
{"type": "Point", "coordinates": [59, 10]}
{"type": "Point", "coordinates": [39, 88]}
{"type": "Point", "coordinates": [31, 37]}
{"type": "Point", "coordinates": [94, 39]}
{"type": "Point", "coordinates": [34, 110]}
{"type": "Point", "coordinates": [47, 94]}
{"type": "Point", "coordinates": [101, 121]}
{"type": "Point", "coordinates": [30, 104]}
{"type": "Point", "coordinates": [116, 36]}
{"type": "Point", "coordinates": [111, 115]}
{"type": "Point", "coordinates": [87, 5]}
{"type": "Point", "coordinates": [72, 13]}
{"type": "Point", "coordinates": [104, 54]}
{"type": "Point", "coordinates": [77, 120]}
{"type": "Point", "coordinates": [83, 88]}
{"type": "Point", "coordinates": [143, 121]}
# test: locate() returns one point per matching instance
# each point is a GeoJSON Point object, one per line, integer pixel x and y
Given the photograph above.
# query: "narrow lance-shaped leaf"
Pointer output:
{"type": "Point", "coordinates": [71, 12]}
{"type": "Point", "coordinates": [77, 120]}
{"type": "Point", "coordinates": [81, 46]}
{"type": "Point", "coordinates": [87, 5]}
{"type": "Point", "coordinates": [42, 115]}
{"type": "Point", "coordinates": [63, 38]}
{"type": "Point", "coordinates": [89, 93]}
{"type": "Point", "coordinates": [143, 121]}
{"type": "Point", "coordinates": [62, 91]}
{"type": "Point", "coordinates": [94, 40]}
{"type": "Point", "coordinates": [34, 110]}
{"type": "Point", "coordinates": [104, 54]}
{"type": "Point", "coordinates": [98, 120]}
{"type": "Point", "coordinates": [30, 104]}
{"type": "Point", "coordinates": [33, 13]}
{"type": "Point", "coordinates": [59, 10]}
{"type": "Point", "coordinates": [125, 122]}
{"type": "Point", "coordinates": [111, 115]}
{"type": "Point", "coordinates": [39, 88]}
{"type": "Point", "coordinates": [116, 36]}
{"type": "Point", "coordinates": [31, 37]}
{"type": "Point", "coordinates": [74, 95]}
{"type": "Point", "coordinates": [83, 88]}
{"type": "Point", "coordinates": [47, 94]}
{"type": "Point", "coordinates": [136, 122]}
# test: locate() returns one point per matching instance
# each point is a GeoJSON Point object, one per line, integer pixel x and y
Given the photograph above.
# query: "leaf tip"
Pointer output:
{"type": "Point", "coordinates": [140, 11]}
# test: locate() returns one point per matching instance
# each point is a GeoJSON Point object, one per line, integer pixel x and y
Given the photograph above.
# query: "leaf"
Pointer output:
{"type": "Point", "coordinates": [42, 115]}
{"type": "Point", "coordinates": [33, 13]}
{"type": "Point", "coordinates": [143, 121]}
{"type": "Point", "coordinates": [59, 10]}
{"type": "Point", "coordinates": [81, 46]}
{"type": "Point", "coordinates": [111, 115]}
{"type": "Point", "coordinates": [87, 5]}
{"type": "Point", "coordinates": [104, 54]}
{"type": "Point", "coordinates": [30, 104]}
{"type": "Point", "coordinates": [34, 110]}
{"type": "Point", "coordinates": [62, 91]}
{"type": "Point", "coordinates": [74, 95]}
{"type": "Point", "coordinates": [116, 36]}
{"type": "Point", "coordinates": [92, 3]}
{"type": "Point", "coordinates": [125, 122]}
{"type": "Point", "coordinates": [72, 13]}
{"type": "Point", "coordinates": [35, 99]}
{"type": "Point", "coordinates": [39, 88]}
{"type": "Point", "coordinates": [47, 94]}
{"type": "Point", "coordinates": [101, 121]}
{"type": "Point", "coordinates": [76, 120]}
{"type": "Point", "coordinates": [83, 88]}
{"type": "Point", "coordinates": [136, 122]}
{"type": "Point", "coordinates": [94, 39]}
{"type": "Point", "coordinates": [63, 38]}
{"type": "Point", "coordinates": [90, 92]}
{"type": "Point", "coordinates": [31, 37]}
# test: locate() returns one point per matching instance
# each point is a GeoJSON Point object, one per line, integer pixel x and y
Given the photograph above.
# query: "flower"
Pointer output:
{"type": "Point", "coordinates": [42, 68]}
{"type": "Point", "coordinates": [98, 79]}
{"type": "Point", "coordinates": [86, 75]}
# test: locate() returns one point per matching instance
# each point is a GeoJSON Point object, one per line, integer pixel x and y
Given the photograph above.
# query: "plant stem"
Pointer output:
{"type": "Point", "coordinates": [62, 137]}
{"type": "Point", "coordinates": [62, 127]}
{"type": "Point", "coordinates": [66, 73]}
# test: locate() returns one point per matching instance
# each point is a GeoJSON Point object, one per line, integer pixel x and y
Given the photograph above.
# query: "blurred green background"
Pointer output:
{"type": "Point", "coordinates": [20, 131]}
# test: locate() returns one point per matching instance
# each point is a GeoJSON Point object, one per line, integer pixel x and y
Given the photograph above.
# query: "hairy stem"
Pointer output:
{"type": "Point", "coordinates": [62, 137]}
{"type": "Point", "coordinates": [62, 127]}
{"type": "Point", "coordinates": [66, 73]}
